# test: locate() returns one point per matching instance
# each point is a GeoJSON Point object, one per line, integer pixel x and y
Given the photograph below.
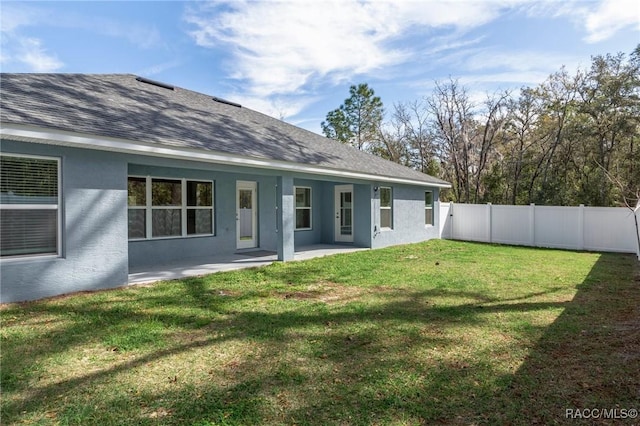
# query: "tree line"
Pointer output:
{"type": "Point", "coordinates": [573, 139]}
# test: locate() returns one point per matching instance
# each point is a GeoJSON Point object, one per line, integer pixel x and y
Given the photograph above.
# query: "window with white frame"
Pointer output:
{"type": "Point", "coordinates": [386, 207]}
{"type": "Point", "coordinates": [29, 205]}
{"type": "Point", "coordinates": [428, 208]}
{"type": "Point", "coordinates": [166, 208]}
{"type": "Point", "coordinates": [199, 208]}
{"type": "Point", "coordinates": [162, 208]}
{"type": "Point", "coordinates": [303, 208]}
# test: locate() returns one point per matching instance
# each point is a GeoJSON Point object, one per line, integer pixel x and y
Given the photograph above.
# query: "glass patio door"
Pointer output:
{"type": "Point", "coordinates": [246, 215]}
{"type": "Point", "coordinates": [344, 213]}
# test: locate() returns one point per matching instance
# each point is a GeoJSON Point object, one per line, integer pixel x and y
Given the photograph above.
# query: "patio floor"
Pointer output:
{"type": "Point", "coordinates": [240, 260]}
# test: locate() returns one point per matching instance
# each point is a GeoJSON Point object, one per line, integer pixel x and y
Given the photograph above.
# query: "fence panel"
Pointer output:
{"type": "Point", "coordinates": [512, 225]}
{"type": "Point", "coordinates": [609, 229]}
{"type": "Point", "coordinates": [558, 227]}
{"type": "Point", "coordinates": [575, 228]}
{"type": "Point", "coordinates": [469, 222]}
{"type": "Point", "coordinates": [444, 219]}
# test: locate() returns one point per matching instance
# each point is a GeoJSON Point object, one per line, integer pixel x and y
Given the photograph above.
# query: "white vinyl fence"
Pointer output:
{"type": "Point", "coordinates": [610, 229]}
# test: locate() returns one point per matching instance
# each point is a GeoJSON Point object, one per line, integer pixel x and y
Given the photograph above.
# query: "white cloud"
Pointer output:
{"type": "Point", "coordinates": [286, 52]}
{"type": "Point", "coordinates": [14, 17]}
{"type": "Point", "coordinates": [275, 106]}
{"type": "Point", "coordinates": [601, 19]}
{"type": "Point", "coordinates": [519, 61]}
{"type": "Point", "coordinates": [610, 17]}
{"type": "Point", "coordinates": [487, 70]}
{"type": "Point", "coordinates": [36, 57]}
{"type": "Point", "coordinates": [158, 68]}
{"type": "Point", "coordinates": [142, 36]}
{"type": "Point", "coordinates": [488, 82]}
{"type": "Point", "coordinates": [28, 53]}
{"type": "Point", "coordinates": [17, 18]}
{"type": "Point", "coordinates": [280, 47]}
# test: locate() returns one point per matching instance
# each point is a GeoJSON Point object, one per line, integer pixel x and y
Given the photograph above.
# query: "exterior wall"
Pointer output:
{"type": "Point", "coordinates": [285, 202]}
{"type": "Point", "coordinates": [408, 217]}
{"type": "Point", "coordinates": [323, 211]}
{"type": "Point", "coordinates": [146, 253]}
{"type": "Point", "coordinates": [362, 219]}
{"type": "Point", "coordinates": [327, 211]}
{"type": "Point", "coordinates": [94, 228]}
{"type": "Point", "coordinates": [319, 198]}
{"type": "Point", "coordinates": [96, 252]}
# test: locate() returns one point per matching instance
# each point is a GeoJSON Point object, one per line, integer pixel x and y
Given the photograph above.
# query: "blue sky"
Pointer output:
{"type": "Point", "coordinates": [295, 60]}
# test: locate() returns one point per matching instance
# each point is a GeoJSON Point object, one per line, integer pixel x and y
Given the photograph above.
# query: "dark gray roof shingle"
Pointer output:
{"type": "Point", "coordinates": [120, 106]}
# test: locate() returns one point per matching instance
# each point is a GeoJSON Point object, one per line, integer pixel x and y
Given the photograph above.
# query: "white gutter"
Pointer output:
{"type": "Point", "coordinates": [64, 138]}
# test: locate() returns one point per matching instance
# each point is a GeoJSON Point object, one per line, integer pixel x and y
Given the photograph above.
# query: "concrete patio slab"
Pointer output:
{"type": "Point", "coordinates": [241, 260]}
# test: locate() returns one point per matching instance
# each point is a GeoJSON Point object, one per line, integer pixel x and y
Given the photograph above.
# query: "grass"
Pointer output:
{"type": "Point", "coordinates": [439, 332]}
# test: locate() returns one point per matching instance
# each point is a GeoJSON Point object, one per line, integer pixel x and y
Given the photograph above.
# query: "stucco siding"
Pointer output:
{"type": "Point", "coordinates": [408, 217]}
{"type": "Point", "coordinates": [96, 252]}
{"type": "Point", "coordinates": [94, 228]}
{"type": "Point", "coordinates": [153, 252]}
{"type": "Point", "coordinates": [305, 237]}
{"type": "Point", "coordinates": [362, 228]}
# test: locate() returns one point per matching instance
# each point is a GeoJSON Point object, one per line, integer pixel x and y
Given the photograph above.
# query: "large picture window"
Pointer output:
{"type": "Point", "coordinates": [303, 208]}
{"type": "Point", "coordinates": [386, 208]}
{"type": "Point", "coordinates": [428, 208]}
{"type": "Point", "coordinates": [29, 205]}
{"type": "Point", "coordinates": [161, 208]}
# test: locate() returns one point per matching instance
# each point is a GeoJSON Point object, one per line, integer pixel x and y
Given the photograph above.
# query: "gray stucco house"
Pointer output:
{"type": "Point", "coordinates": [102, 174]}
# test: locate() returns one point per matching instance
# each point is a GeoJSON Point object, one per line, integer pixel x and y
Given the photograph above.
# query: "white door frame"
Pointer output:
{"type": "Point", "coordinates": [252, 240]}
{"type": "Point", "coordinates": [339, 236]}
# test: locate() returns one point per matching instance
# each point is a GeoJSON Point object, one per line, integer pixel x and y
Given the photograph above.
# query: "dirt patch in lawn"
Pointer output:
{"type": "Point", "coordinates": [328, 292]}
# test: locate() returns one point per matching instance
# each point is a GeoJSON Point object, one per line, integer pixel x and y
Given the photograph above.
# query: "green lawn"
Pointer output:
{"type": "Point", "coordinates": [438, 332]}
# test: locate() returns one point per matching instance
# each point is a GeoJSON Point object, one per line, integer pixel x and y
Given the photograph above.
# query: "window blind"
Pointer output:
{"type": "Point", "coordinates": [29, 198]}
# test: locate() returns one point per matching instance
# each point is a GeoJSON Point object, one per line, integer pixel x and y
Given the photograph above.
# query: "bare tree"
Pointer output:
{"type": "Point", "coordinates": [453, 127]}
{"type": "Point", "coordinates": [414, 119]}
{"type": "Point", "coordinates": [492, 129]}
{"type": "Point", "coordinates": [391, 143]}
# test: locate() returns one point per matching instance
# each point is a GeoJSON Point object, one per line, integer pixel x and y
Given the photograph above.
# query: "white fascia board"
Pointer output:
{"type": "Point", "coordinates": [64, 138]}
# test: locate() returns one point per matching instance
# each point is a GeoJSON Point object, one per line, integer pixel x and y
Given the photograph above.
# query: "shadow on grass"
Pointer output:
{"type": "Point", "coordinates": [589, 358]}
{"type": "Point", "coordinates": [356, 363]}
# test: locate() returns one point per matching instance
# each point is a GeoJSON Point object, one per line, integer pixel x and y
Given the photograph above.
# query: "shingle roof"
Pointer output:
{"type": "Point", "coordinates": [120, 106]}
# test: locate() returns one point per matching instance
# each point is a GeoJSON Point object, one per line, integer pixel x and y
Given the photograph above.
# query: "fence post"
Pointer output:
{"type": "Point", "coordinates": [451, 228]}
{"type": "Point", "coordinates": [581, 226]}
{"type": "Point", "coordinates": [635, 218]}
{"type": "Point", "coordinates": [532, 223]}
{"type": "Point", "coordinates": [435, 217]}
{"type": "Point", "coordinates": [489, 221]}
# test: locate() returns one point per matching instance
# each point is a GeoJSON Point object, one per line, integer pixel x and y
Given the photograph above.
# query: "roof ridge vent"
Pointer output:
{"type": "Point", "coordinates": [224, 101]}
{"type": "Point", "coordinates": [155, 83]}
